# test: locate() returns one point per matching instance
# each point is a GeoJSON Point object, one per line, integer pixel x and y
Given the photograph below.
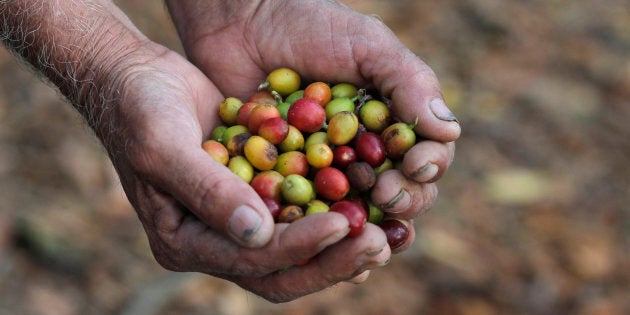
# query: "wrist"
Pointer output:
{"type": "Point", "coordinates": [83, 49]}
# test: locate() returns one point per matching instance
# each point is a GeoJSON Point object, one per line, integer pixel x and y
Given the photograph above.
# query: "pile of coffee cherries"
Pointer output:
{"type": "Point", "coordinates": [312, 150]}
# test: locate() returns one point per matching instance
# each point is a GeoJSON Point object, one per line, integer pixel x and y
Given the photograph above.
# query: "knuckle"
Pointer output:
{"type": "Point", "coordinates": [428, 196]}
{"type": "Point", "coordinates": [167, 260]}
{"type": "Point", "coordinates": [168, 252]}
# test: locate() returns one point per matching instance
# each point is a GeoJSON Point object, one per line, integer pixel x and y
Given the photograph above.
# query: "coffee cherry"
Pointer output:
{"type": "Point", "coordinates": [274, 129]}
{"type": "Point", "coordinates": [274, 206]}
{"type": "Point", "coordinates": [319, 92]}
{"type": "Point", "coordinates": [297, 190]}
{"type": "Point", "coordinates": [236, 144]}
{"type": "Point", "coordinates": [261, 153]}
{"type": "Point", "coordinates": [361, 176]}
{"type": "Point", "coordinates": [306, 115]}
{"type": "Point", "coordinates": [290, 214]}
{"type": "Point", "coordinates": [316, 137]}
{"type": "Point", "coordinates": [228, 110]}
{"type": "Point", "coordinates": [319, 155]}
{"type": "Point", "coordinates": [375, 115]}
{"type": "Point", "coordinates": [338, 105]}
{"type": "Point", "coordinates": [293, 142]}
{"type": "Point", "coordinates": [331, 183]}
{"type": "Point", "coordinates": [343, 90]}
{"type": "Point", "coordinates": [268, 184]}
{"type": "Point", "coordinates": [242, 168]}
{"type": "Point", "coordinates": [343, 156]}
{"type": "Point", "coordinates": [262, 97]}
{"type": "Point", "coordinates": [387, 165]}
{"type": "Point", "coordinates": [231, 132]}
{"type": "Point", "coordinates": [283, 108]}
{"type": "Point", "coordinates": [396, 232]}
{"type": "Point", "coordinates": [316, 206]}
{"type": "Point", "coordinates": [342, 128]}
{"type": "Point", "coordinates": [259, 114]}
{"type": "Point", "coordinates": [398, 139]}
{"type": "Point", "coordinates": [217, 133]}
{"type": "Point", "coordinates": [359, 200]}
{"type": "Point", "coordinates": [216, 150]}
{"type": "Point", "coordinates": [353, 212]}
{"type": "Point", "coordinates": [375, 214]}
{"type": "Point", "coordinates": [370, 148]}
{"type": "Point", "coordinates": [242, 117]}
{"type": "Point", "coordinates": [284, 81]}
{"type": "Point", "coordinates": [292, 162]}
{"type": "Point", "coordinates": [294, 96]}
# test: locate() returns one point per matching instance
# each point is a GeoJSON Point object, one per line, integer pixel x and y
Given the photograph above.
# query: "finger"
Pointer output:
{"type": "Point", "coordinates": [341, 262]}
{"type": "Point", "coordinates": [163, 137]}
{"type": "Point", "coordinates": [428, 160]}
{"type": "Point", "coordinates": [297, 242]}
{"type": "Point", "coordinates": [400, 197]}
{"type": "Point", "coordinates": [360, 278]}
{"type": "Point", "coordinates": [411, 84]}
{"type": "Point", "coordinates": [176, 163]}
{"type": "Point", "coordinates": [184, 243]}
{"type": "Point", "coordinates": [224, 201]}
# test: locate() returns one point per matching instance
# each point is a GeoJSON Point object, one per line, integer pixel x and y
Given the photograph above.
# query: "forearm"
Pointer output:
{"type": "Point", "coordinates": [75, 44]}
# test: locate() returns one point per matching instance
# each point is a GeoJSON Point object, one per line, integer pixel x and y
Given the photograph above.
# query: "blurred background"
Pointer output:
{"type": "Point", "coordinates": [533, 217]}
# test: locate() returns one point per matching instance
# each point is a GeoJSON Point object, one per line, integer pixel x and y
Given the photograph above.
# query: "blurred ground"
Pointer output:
{"type": "Point", "coordinates": [533, 217]}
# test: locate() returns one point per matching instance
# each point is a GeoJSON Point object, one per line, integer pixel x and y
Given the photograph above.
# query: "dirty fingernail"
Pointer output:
{"type": "Point", "coordinates": [399, 203]}
{"type": "Point", "coordinates": [441, 111]}
{"type": "Point", "coordinates": [425, 173]}
{"type": "Point", "coordinates": [374, 252]}
{"type": "Point", "coordinates": [369, 258]}
{"type": "Point", "coordinates": [244, 223]}
{"type": "Point", "coordinates": [374, 263]}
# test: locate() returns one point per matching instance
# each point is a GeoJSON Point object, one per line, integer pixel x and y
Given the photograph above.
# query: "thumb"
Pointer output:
{"type": "Point", "coordinates": [217, 197]}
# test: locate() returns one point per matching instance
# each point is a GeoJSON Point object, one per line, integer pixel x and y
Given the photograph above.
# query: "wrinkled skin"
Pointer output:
{"type": "Point", "coordinates": [152, 108]}
{"type": "Point", "coordinates": [335, 45]}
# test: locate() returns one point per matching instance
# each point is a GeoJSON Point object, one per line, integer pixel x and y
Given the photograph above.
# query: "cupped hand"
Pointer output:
{"type": "Point", "coordinates": [197, 214]}
{"type": "Point", "coordinates": [236, 44]}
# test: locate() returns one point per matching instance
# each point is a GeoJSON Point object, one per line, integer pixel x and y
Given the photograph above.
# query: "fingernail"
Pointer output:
{"type": "Point", "coordinates": [399, 203]}
{"type": "Point", "coordinates": [368, 257]}
{"type": "Point", "coordinates": [441, 111]}
{"type": "Point", "coordinates": [425, 173]}
{"type": "Point", "coordinates": [244, 223]}
{"type": "Point", "coordinates": [374, 252]}
{"type": "Point", "coordinates": [367, 262]}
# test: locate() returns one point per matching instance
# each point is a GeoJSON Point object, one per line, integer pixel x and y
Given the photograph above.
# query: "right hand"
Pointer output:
{"type": "Point", "coordinates": [237, 43]}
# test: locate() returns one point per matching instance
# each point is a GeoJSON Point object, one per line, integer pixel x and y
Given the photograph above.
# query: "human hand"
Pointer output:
{"type": "Point", "coordinates": [151, 109]}
{"type": "Point", "coordinates": [193, 208]}
{"type": "Point", "coordinates": [237, 43]}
